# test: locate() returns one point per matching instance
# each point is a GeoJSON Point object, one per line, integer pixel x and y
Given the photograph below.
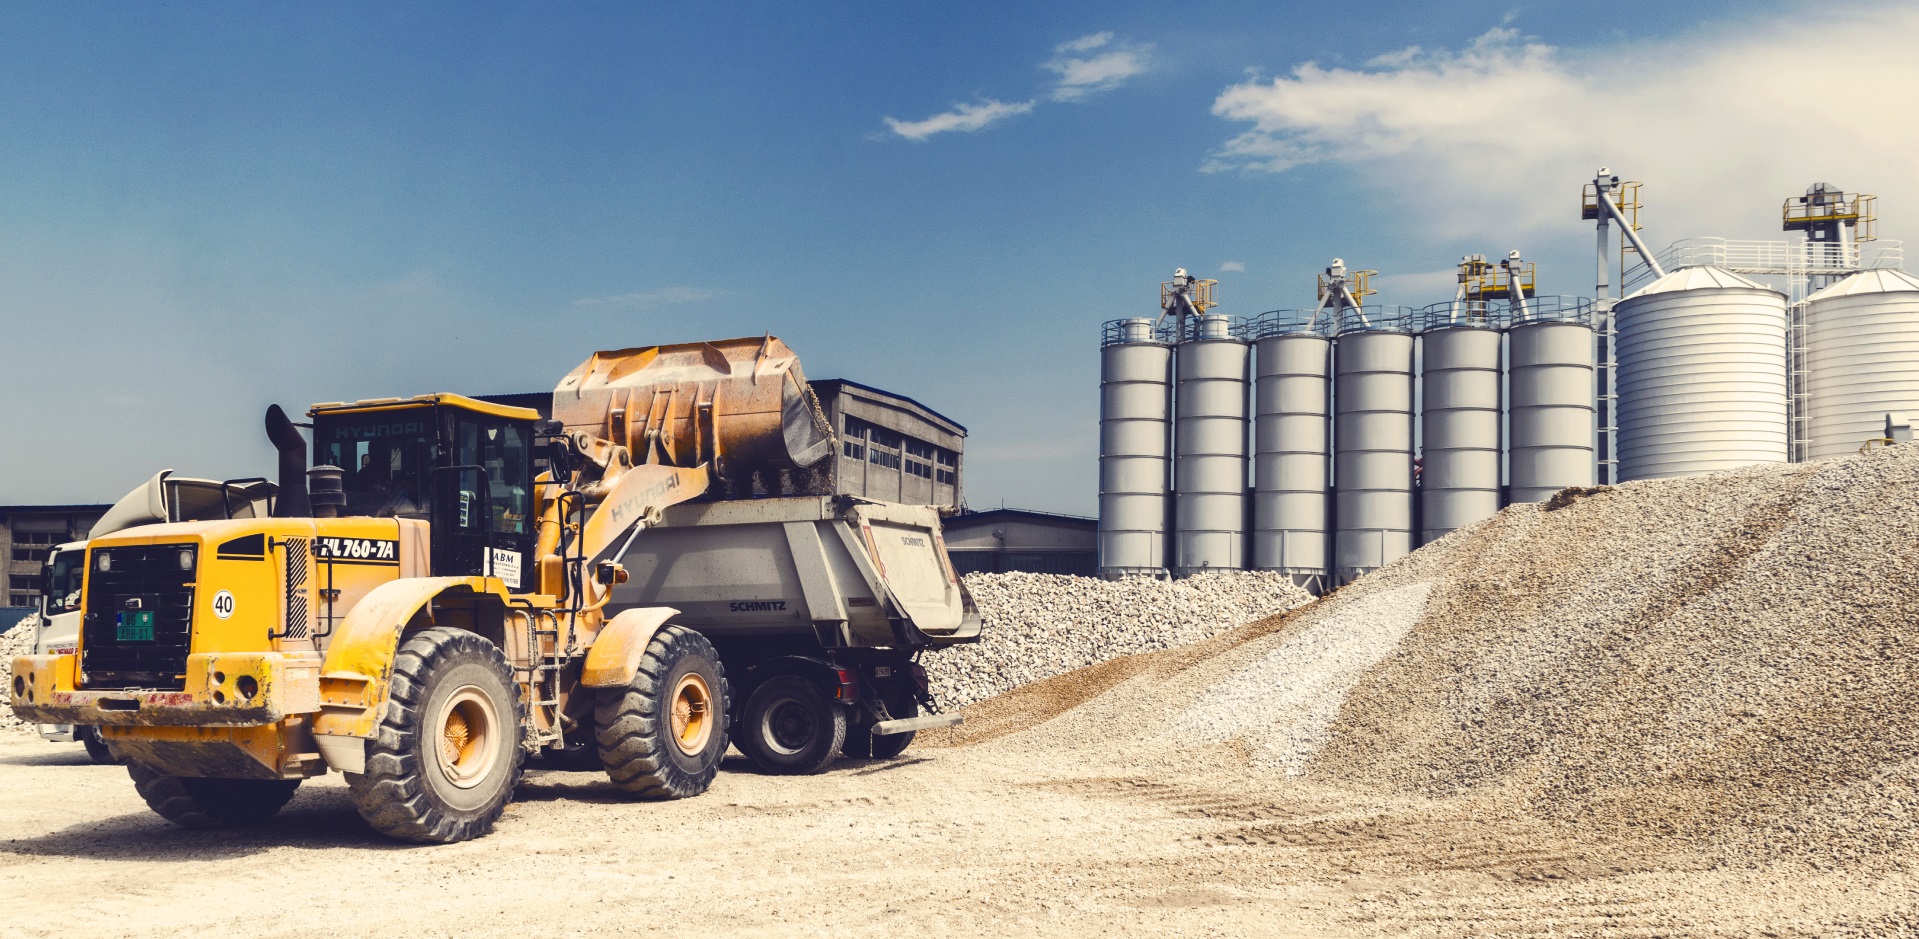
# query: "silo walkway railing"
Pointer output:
{"type": "Point", "coordinates": [1290, 323]}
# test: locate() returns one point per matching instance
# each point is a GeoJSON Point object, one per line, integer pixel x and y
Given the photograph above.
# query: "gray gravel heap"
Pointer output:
{"type": "Point", "coordinates": [1041, 625]}
{"type": "Point", "coordinates": [15, 641]}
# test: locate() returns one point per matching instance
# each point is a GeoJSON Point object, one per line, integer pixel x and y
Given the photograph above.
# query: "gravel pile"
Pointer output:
{"type": "Point", "coordinates": [1041, 625]}
{"type": "Point", "coordinates": [1725, 666]}
{"type": "Point", "coordinates": [15, 641]}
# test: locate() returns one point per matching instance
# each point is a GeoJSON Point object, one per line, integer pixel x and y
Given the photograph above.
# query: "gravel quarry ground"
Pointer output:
{"type": "Point", "coordinates": [1673, 708]}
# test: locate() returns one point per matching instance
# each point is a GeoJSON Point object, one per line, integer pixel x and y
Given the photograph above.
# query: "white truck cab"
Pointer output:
{"type": "Point", "coordinates": [59, 629]}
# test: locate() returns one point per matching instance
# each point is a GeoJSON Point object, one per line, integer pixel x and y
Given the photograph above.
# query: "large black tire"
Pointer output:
{"type": "Point", "coordinates": [789, 728]}
{"type": "Point", "coordinates": [195, 802]}
{"type": "Point", "coordinates": [96, 745]}
{"type": "Point", "coordinates": [443, 762]}
{"type": "Point", "coordinates": [900, 704]}
{"type": "Point", "coordinates": [662, 735]}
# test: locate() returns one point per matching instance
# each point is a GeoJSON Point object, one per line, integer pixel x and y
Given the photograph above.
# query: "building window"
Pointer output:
{"type": "Point", "coordinates": [882, 437]}
{"type": "Point", "coordinates": [946, 457]}
{"type": "Point", "coordinates": [919, 449]}
{"type": "Point", "coordinates": [922, 470]}
{"type": "Point", "coordinates": [23, 599]}
{"type": "Point", "coordinates": [856, 428]}
{"type": "Point", "coordinates": [853, 450]}
{"type": "Point", "coordinates": [883, 458]}
{"type": "Point", "coordinates": [948, 477]}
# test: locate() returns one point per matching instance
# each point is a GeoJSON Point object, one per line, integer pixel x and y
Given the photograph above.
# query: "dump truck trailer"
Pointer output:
{"type": "Point", "coordinates": [445, 586]}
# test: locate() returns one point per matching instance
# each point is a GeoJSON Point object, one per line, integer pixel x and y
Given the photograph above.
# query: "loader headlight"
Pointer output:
{"type": "Point", "coordinates": [102, 561]}
{"type": "Point", "coordinates": [186, 559]}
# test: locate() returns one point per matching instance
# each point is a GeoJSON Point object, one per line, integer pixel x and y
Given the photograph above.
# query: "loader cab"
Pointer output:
{"type": "Point", "coordinates": [464, 466]}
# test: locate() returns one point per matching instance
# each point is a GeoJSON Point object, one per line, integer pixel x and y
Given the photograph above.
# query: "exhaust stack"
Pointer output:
{"type": "Point", "coordinates": [292, 501]}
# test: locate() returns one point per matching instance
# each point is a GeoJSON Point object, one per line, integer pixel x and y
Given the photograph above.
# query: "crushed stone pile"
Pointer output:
{"type": "Point", "coordinates": [1041, 625]}
{"type": "Point", "coordinates": [1725, 665]}
{"type": "Point", "coordinates": [15, 641]}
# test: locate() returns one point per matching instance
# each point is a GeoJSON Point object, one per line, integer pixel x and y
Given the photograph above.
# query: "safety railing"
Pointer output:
{"type": "Point", "coordinates": [1137, 329]}
{"type": "Point", "coordinates": [1291, 323]}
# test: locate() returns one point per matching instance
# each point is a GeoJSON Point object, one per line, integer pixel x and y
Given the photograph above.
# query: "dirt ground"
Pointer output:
{"type": "Point", "coordinates": [986, 840]}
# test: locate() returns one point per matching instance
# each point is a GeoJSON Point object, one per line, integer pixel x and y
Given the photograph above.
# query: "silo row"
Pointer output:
{"type": "Point", "coordinates": [1333, 492]}
{"type": "Point", "coordinates": [1702, 379]}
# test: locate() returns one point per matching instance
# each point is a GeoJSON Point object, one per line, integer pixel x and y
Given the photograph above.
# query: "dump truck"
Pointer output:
{"type": "Point", "coordinates": [446, 586]}
{"type": "Point", "coordinates": [163, 498]}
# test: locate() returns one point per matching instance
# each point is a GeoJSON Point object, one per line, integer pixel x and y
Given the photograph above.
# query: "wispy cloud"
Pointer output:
{"type": "Point", "coordinates": [650, 299]}
{"type": "Point", "coordinates": [1091, 64]}
{"type": "Point", "coordinates": [963, 118]}
{"type": "Point", "coordinates": [1510, 121]}
{"type": "Point", "coordinates": [1081, 74]}
{"type": "Point", "coordinates": [1232, 267]}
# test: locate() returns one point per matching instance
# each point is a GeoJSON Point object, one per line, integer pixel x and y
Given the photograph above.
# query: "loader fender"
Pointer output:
{"type": "Point", "coordinates": [615, 656]}
{"type": "Point", "coordinates": [359, 661]}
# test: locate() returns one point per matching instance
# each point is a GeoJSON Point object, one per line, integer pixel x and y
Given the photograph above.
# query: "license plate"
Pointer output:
{"type": "Point", "coordinates": [135, 626]}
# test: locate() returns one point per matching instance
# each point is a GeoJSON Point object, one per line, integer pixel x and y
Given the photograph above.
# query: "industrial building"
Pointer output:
{"type": "Point", "coordinates": [996, 541]}
{"type": "Point", "coordinates": [27, 534]}
{"type": "Point", "coordinates": [1327, 442]}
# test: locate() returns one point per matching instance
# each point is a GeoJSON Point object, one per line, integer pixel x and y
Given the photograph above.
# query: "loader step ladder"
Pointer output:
{"type": "Point", "coordinates": [543, 679]}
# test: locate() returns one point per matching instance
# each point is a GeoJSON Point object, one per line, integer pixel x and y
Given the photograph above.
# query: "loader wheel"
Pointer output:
{"type": "Point", "coordinates": [662, 735]}
{"type": "Point", "coordinates": [791, 729]}
{"type": "Point", "coordinates": [96, 745]}
{"type": "Point", "coordinates": [196, 802]}
{"type": "Point", "coordinates": [443, 762]}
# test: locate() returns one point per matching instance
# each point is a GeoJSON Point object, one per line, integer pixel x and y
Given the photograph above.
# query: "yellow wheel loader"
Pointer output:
{"type": "Point", "coordinates": [447, 592]}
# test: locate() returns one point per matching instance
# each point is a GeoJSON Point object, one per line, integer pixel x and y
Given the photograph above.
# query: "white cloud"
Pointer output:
{"type": "Point", "coordinates": [1232, 267]}
{"type": "Point", "coordinates": [1080, 76]}
{"type": "Point", "coordinates": [1491, 140]}
{"type": "Point", "coordinates": [1085, 43]}
{"type": "Point", "coordinates": [963, 117]}
{"type": "Point", "coordinates": [649, 299]}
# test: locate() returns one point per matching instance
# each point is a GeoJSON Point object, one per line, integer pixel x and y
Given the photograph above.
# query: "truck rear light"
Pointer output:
{"type": "Point", "coordinates": [919, 677]}
{"type": "Point", "coordinates": [849, 689]}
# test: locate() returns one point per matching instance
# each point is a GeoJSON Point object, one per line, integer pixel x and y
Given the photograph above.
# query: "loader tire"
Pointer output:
{"type": "Point", "coordinates": [442, 763]}
{"type": "Point", "coordinates": [661, 735]}
{"type": "Point", "coordinates": [790, 728]}
{"type": "Point", "coordinates": [196, 802]}
{"type": "Point", "coordinates": [96, 745]}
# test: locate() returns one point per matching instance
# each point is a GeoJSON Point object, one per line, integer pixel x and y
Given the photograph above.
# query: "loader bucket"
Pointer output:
{"type": "Point", "coordinates": [741, 404]}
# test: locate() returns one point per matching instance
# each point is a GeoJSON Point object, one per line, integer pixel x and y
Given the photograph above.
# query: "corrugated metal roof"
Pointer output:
{"type": "Point", "coordinates": [1874, 281]}
{"type": "Point", "coordinates": [1702, 277]}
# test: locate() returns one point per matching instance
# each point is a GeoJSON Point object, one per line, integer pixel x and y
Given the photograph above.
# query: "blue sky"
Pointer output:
{"type": "Point", "coordinates": [207, 208]}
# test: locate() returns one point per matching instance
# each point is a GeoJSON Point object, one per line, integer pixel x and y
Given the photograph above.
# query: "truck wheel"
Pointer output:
{"type": "Point", "coordinates": [791, 728]}
{"type": "Point", "coordinates": [196, 802]}
{"type": "Point", "coordinates": [900, 704]}
{"type": "Point", "coordinates": [443, 762]}
{"type": "Point", "coordinates": [662, 735]}
{"type": "Point", "coordinates": [96, 745]}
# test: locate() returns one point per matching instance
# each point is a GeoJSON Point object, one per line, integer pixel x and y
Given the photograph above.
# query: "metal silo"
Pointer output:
{"type": "Point", "coordinates": [1292, 433]}
{"type": "Point", "coordinates": [1459, 416]}
{"type": "Point", "coordinates": [1702, 375]}
{"type": "Point", "coordinates": [1209, 431]}
{"type": "Point", "coordinates": [1551, 396]}
{"type": "Point", "coordinates": [1372, 440]}
{"type": "Point", "coordinates": [1861, 360]}
{"type": "Point", "coordinates": [1134, 467]}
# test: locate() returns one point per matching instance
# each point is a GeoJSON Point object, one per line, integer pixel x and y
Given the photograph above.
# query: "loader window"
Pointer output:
{"type": "Point", "coordinates": [501, 448]}
{"type": "Point", "coordinates": [386, 457]}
